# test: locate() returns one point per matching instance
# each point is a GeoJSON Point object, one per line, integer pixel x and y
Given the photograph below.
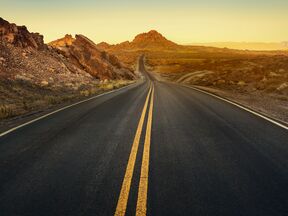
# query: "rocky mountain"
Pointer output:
{"type": "Point", "coordinates": [103, 46]}
{"type": "Point", "coordinates": [151, 40]}
{"type": "Point", "coordinates": [20, 36]}
{"type": "Point", "coordinates": [26, 59]}
{"type": "Point", "coordinates": [79, 53]}
{"type": "Point", "coordinates": [66, 41]}
{"type": "Point", "coordinates": [98, 63]}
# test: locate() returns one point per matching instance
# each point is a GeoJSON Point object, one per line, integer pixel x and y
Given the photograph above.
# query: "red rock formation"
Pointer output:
{"type": "Point", "coordinates": [20, 36]}
{"type": "Point", "coordinates": [152, 39]}
{"type": "Point", "coordinates": [63, 42]}
{"type": "Point", "coordinates": [85, 53]}
{"type": "Point", "coordinates": [103, 45]}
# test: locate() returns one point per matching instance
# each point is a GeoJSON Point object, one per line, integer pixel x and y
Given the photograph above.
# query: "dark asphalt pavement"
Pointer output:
{"type": "Point", "coordinates": [207, 157]}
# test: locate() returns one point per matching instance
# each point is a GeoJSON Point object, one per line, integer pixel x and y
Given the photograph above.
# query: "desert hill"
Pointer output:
{"type": "Point", "coordinates": [66, 41]}
{"type": "Point", "coordinates": [144, 41]}
{"type": "Point", "coordinates": [152, 40]}
{"type": "Point", "coordinates": [35, 75]}
{"type": "Point", "coordinates": [98, 63]}
{"type": "Point", "coordinates": [20, 36]}
{"type": "Point", "coordinates": [128, 51]}
{"type": "Point", "coordinates": [154, 43]}
{"type": "Point", "coordinates": [103, 45]}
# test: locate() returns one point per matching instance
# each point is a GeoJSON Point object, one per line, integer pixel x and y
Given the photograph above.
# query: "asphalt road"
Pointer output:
{"type": "Point", "coordinates": [153, 148]}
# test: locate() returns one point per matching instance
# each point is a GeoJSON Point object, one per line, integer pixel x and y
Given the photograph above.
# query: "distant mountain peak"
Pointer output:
{"type": "Point", "coordinates": [152, 35]}
{"type": "Point", "coordinates": [147, 40]}
{"type": "Point", "coordinates": [152, 39]}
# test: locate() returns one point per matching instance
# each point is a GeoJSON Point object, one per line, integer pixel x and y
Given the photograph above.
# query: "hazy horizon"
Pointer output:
{"type": "Point", "coordinates": [182, 21]}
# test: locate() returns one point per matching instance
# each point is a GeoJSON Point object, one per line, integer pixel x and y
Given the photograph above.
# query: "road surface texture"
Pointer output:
{"type": "Point", "coordinates": [152, 148]}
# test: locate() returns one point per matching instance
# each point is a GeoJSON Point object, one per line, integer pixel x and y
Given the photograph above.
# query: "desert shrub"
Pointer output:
{"type": "Point", "coordinates": [93, 91]}
{"type": "Point", "coordinates": [51, 100]}
{"type": "Point", "coordinates": [85, 93]}
{"type": "Point", "coordinates": [38, 104]}
{"type": "Point", "coordinates": [107, 86]}
{"type": "Point", "coordinates": [25, 105]}
{"type": "Point", "coordinates": [5, 111]}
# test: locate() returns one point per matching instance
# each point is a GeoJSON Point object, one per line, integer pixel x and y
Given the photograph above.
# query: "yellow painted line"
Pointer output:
{"type": "Point", "coordinates": [125, 189]}
{"type": "Point", "coordinates": [141, 207]}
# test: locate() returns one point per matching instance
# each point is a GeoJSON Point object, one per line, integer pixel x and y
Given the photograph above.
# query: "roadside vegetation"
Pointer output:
{"type": "Point", "coordinates": [21, 99]}
{"type": "Point", "coordinates": [256, 79]}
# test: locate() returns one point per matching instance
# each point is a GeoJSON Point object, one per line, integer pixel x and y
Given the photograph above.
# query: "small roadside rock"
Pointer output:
{"type": "Point", "coordinates": [44, 83]}
{"type": "Point", "coordinates": [282, 86]}
{"type": "Point", "coordinates": [241, 83]}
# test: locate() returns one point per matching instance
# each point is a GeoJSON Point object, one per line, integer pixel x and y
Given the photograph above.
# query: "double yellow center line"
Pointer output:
{"type": "Point", "coordinates": [143, 185]}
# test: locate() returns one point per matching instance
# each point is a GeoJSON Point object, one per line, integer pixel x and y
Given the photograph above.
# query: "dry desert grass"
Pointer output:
{"type": "Point", "coordinates": [22, 99]}
{"type": "Point", "coordinates": [256, 79]}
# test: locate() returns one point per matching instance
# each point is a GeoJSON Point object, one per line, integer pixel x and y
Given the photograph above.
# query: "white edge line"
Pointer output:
{"type": "Point", "coordinates": [63, 108]}
{"type": "Point", "coordinates": [238, 105]}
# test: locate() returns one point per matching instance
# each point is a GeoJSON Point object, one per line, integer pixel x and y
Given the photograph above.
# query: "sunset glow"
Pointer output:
{"type": "Point", "coordinates": [182, 21]}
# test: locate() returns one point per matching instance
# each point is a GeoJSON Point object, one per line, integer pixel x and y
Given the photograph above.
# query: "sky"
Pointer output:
{"type": "Point", "coordinates": [182, 21]}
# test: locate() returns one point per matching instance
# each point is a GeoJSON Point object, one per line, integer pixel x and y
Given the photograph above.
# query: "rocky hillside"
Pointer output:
{"type": "Point", "coordinates": [66, 41]}
{"type": "Point", "coordinates": [98, 63]}
{"type": "Point", "coordinates": [34, 75]}
{"type": "Point", "coordinates": [20, 36]}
